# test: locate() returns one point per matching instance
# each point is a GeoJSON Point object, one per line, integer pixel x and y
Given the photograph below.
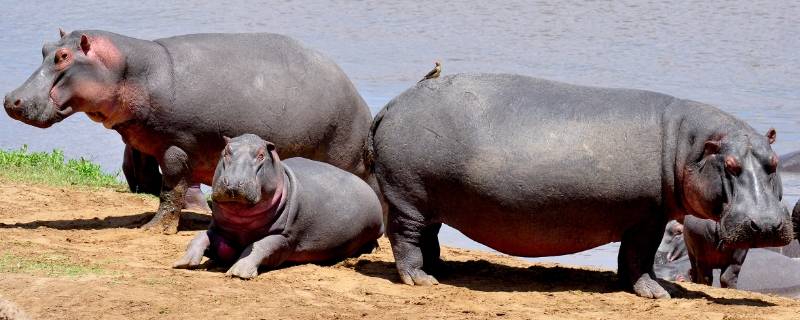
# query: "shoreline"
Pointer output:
{"type": "Point", "coordinates": [71, 253]}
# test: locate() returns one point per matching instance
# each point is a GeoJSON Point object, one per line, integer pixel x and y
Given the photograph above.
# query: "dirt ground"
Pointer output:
{"type": "Point", "coordinates": [68, 253]}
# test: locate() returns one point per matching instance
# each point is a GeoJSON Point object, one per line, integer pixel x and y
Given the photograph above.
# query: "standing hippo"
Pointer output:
{"type": "Point", "coordinates": [267, 211]}
{"type": "Point", "coordinates": [707, 253]}
{"type": "Point", "coordinates": [175, 98]}
{"type": "Point", "coordinates": [533, 168]}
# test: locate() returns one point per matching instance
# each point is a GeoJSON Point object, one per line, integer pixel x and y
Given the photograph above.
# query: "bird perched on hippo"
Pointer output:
{"type": "Point", "coordinates": [174, 99]}
{"type": "Point", "coordinates": [532, 167]}
{"type": "Point", "coordinates": [267, 211]}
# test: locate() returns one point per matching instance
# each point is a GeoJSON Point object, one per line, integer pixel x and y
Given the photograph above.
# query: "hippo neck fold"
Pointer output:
{"type": "Point", "coordinates": [274, 215]}
{"type": "Point", "coordinates": [144, 72]}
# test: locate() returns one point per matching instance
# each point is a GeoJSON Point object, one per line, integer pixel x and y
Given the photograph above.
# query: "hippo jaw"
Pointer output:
{"type": "Point", "coordinates": [737, 184]}
{"type": "Point", "coordinates": [32, 104]}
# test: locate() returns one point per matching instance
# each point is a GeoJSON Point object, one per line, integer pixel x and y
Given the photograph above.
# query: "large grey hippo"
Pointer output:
{"type": "Point", "coordinates": [532, 168]}
{"type": "Point", "coordinates": [267, 211]}
{"type": "Point", "coordinates": [175, 98]}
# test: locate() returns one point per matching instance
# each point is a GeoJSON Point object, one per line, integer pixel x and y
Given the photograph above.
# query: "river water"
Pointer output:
{"type": "Point", "coordinates": [741, 56]}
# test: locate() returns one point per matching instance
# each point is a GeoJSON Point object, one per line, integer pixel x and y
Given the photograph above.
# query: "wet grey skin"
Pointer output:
{"type": "Point", "coordinates": [532, 168]}
{"type": "Point", "coordinates": [267, 212]}
{"type": "Point", "coordinates": [173, 99]}
{"type": "Point", "coordinates": [707, 253]}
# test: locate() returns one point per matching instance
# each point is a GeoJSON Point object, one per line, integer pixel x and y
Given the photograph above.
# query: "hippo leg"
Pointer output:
{"type": "Point", "coordinates": [702, 274]}
{"type": "Point", "coordinates": [730, 276]}
{"type": "Point", "coordinates": [195, 200]}
{"type": "Point", "coordinates": [431, 262]}
{"type": "Point", "coordinates": [141, 172]}
{"type": "Point", "coordinates": [636, 255]}
{"type": "Point", "coordinates": [269, 252]}
{"type": "Point", "coordinates": [194, 252]}
{"type": "Point", "coordinates": [175, 169]}
{"type": "Point", "coordinates": [406, 229]}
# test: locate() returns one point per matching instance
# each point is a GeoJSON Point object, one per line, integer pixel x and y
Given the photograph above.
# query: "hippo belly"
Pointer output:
{"type": "Point", "coordinates": [553, 188]}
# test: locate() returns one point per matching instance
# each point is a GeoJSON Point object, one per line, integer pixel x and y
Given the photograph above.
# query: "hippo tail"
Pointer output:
{"type": "Point", "coordinates": [369, 148]}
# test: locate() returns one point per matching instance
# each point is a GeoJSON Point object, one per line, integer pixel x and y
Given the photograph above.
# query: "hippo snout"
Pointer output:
{"type": "Point", "coordinates": [235, 190]}
{"type": "Point", "coordinates": [13, 106]}
{"type": "Point", "coordinates": [763, 230]}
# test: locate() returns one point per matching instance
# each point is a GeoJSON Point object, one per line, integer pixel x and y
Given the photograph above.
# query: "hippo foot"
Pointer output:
{"type": "Point", "coordinates": [417, 277]}
{"type": "Point", "coordinates": [189, 260]}
{"type": "Point", "coordinates": [648, 288]}
{"type": "Point", "coordinates": [244, 269]}
{"type": "Point", "coordinates": [163, 223]}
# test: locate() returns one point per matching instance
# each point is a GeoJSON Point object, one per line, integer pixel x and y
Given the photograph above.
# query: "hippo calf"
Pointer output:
{"type": "Point", "coordinates": [267, 211]}
{"type": "Point", "coordinates": [532, 167]}
{"type": "Point", "coordinates": [173, 99]}
{"type": "Point", "coordinates": [706, 253]}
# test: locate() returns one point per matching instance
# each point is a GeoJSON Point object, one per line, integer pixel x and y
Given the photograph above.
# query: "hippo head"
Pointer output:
{"type": "Point", "coordinates": [736, 183]}
{"type": "Point", "coordinates": [248, 171]}
{"type": "Point", "coordinates": [78, 73]}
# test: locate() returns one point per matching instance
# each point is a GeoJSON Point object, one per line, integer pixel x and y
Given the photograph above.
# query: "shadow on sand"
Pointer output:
{"type": "Point", "coordinates": [189, 221]}
{"type": "Point", "coordinates": [480, 275]}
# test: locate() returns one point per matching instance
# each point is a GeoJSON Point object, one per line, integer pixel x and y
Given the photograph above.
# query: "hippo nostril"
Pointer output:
{"type": "Point", "coordinates": [778, 227]}
{"type": "Point", "coordinates": [755, 226]}
{"type": "Point", "coordinates": [17, 103]}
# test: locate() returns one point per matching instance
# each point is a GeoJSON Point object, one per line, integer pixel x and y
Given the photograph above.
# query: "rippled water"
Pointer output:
{"type": "Point", "coordinates": [739, 55]}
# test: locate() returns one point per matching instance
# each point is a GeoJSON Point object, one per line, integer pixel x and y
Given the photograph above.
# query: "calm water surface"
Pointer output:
{"type": "Point", "coordinates": [739, 55]}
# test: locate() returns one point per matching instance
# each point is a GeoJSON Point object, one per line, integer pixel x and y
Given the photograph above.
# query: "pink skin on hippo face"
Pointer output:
{"type": "Point", "coordinates": [78, 74]}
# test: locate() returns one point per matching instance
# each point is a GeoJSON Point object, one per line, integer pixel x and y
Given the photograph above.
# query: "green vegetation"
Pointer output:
{"type": "Point", "coordinates": [51, 168]}
{"type": "Point", "coordinates": [53, 265]}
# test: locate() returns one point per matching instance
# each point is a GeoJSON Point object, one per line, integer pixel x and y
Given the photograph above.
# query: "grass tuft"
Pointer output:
{"type": "Point", "coordinates": [51, 168]}
{"type": "Point", "coordinates": [54, 265]}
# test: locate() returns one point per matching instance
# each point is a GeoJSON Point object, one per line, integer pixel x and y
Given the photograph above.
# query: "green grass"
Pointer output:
{"type": "Point", "coordinates": [52, 265]}
{"type": "Point", "coordinates": [51, 168]}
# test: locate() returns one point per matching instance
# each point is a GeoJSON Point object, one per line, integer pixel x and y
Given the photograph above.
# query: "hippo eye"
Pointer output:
{"type": "Point", "coordinates": [260, 156]}
{"type": "Point", "coordinates": [62, 55]}
{"type": "Point", "coordinates": [732, 166]}
{"type": "Point", "coordinates": [773, 164]}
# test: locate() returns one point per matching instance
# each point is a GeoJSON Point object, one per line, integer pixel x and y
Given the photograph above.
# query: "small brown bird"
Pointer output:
{"type": "Point", "coordinates": [433, 74]}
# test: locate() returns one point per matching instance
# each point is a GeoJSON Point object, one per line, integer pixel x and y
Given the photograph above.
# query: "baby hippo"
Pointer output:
{"type": "Point", "coordinates": [706, 253]}
{"type": "Point", "coordinates": [267, 211]}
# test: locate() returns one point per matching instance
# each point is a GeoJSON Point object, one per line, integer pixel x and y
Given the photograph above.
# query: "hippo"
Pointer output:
{"type": "Point", "coordinates": [175, 98]}
{"type": "Point", "coordinates": [267, 211]}
{"type": "Point", "coordinates": [706, 253]}
{"type": "Point", "coordinates": [790, 162]}
{"type": "Point", "coordinates": [142, 174]}
{"type": "Point", "coordinates": [671, 260]}
{"type": "Point", "coordinates": [532, 167]}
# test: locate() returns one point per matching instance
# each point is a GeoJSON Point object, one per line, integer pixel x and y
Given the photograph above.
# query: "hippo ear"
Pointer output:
{"type": "Point", "coordinates": [712, 147]}
{"type": "Point", "coordinates": [85, 44]}
{"type": "Point", "coordinates": [271, 148]}
{"type": "Point", "coordinates": [61, 33]}
{"type": "Point", "coordinates": [227, 139]}
{"type": "Point", "coordinates": [772, 135]}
